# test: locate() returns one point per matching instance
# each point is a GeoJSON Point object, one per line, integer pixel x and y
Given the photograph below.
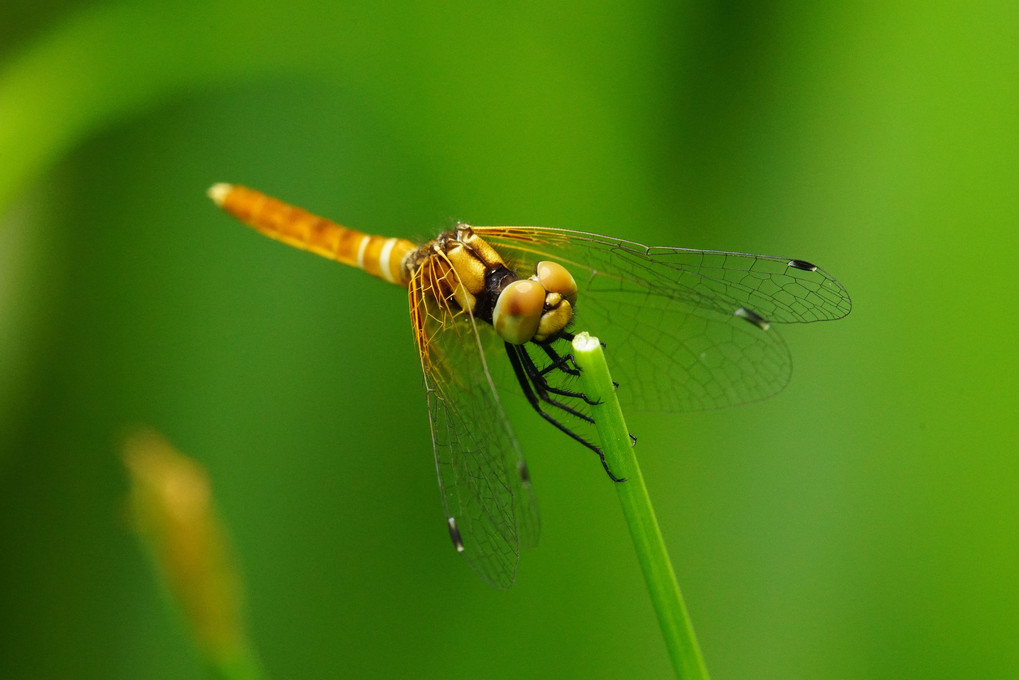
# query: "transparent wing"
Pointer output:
{"type": "Point", "coordinates": [696, 323]}
{"type": "Point", "coordinates": [483, 480]}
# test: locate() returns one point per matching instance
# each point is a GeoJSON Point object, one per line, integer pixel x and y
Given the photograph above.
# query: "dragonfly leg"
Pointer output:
{"type": "Point", "coordinates": [542, 388]}
{"type": "Point", "coordinates": [536, 390]}
{"type": "Point", "coordinates": [541, 385]}
{"type": "Point", "coordinates": [560, 362]}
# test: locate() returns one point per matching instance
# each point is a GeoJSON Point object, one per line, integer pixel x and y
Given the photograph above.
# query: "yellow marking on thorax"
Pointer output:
{"type": "Point", "coordinates": [379, 256]}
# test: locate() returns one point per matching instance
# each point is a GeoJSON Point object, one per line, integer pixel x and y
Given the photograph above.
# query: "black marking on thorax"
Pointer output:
{"type": "Point", "coordinates": [496, 280]}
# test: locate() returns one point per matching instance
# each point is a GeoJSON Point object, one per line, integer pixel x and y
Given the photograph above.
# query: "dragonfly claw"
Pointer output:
{"type": "Point", "coordinates": [605, 465]}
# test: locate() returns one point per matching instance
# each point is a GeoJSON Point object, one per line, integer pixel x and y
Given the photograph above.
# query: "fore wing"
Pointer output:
{"type": "Point", "coordinates": [697, 323]}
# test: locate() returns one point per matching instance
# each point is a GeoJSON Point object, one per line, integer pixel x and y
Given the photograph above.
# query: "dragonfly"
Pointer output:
{"type": "Point", "coordinates": [698, 325]}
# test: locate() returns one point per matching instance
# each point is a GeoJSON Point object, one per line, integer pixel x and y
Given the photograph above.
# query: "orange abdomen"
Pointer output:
{"type": "Point", "coordinates": [379, 256]}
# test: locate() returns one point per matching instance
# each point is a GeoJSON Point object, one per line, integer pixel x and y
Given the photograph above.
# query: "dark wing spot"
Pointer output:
{"type": "Point", "coordinates": [525, 474]}
{"type": "Point", "coordinates": [753, 317]}
{"type": "Point", "coordinates": [454, 534]}
{"type": "Point", "coordinates": [803, 264]}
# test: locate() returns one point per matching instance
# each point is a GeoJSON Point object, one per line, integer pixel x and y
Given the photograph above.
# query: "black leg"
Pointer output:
{"type": "Point", "coordinates": [536, 390]}
{"type": "Point", "coordinates": [564, 362]}
{"type": "Point", "coordinates": [543, 389]}
{"type": "Point", "coordinates": [559, 362]}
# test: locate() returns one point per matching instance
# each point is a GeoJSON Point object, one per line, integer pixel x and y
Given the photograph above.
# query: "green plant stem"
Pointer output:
{"type": "Point", "coordinates": [640, 516]}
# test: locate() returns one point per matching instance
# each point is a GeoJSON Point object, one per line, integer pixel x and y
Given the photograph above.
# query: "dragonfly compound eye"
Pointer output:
{"type": "Point", "coordinates": [518, 311]}
{"type": "Point", "coordinates": [554, 278]}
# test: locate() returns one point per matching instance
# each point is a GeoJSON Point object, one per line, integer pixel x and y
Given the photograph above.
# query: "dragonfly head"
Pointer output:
{"type": "Point", "coordinates": [536, 308]}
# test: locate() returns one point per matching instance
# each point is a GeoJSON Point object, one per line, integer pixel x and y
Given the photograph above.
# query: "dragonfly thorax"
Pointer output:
{"type": "Point", "coordinates": [469, 272]}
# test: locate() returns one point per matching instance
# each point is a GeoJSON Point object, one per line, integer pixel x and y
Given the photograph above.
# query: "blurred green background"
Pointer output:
{"type": "Point", "coordinates": [861, 524]}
